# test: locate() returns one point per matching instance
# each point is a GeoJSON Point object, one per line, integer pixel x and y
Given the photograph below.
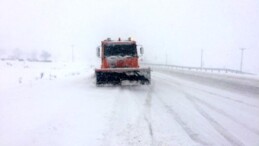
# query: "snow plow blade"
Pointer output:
{"type": "Point", "coordinates": [123, 76]}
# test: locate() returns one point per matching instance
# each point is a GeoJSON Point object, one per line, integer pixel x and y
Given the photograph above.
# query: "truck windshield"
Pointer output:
{"type": "Point", "coordinates": [120, 50]}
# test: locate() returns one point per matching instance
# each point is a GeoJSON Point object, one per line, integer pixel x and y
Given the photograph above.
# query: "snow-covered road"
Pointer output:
{"type": "Point", "coordinates": [174, 110]}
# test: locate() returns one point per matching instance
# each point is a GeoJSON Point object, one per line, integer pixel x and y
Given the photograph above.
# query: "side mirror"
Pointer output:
{"type": "Point", "coordinates": [141, 51]}
{"type": "Point", "coordinates": [98, 51]}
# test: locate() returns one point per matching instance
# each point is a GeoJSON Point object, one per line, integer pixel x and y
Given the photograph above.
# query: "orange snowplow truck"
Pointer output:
{"type": "Point", "coordinates": [119, 63]}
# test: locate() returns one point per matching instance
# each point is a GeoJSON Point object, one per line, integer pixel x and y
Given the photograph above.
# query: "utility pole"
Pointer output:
{"type": "Point", "coordinates": [201, 58]}
{"type": "Point", "coordinates": [166, 59]}
{"type": "Point", "coordinates": [166, 56]}
{"type": "Point", "coordinates": [241, 61]}
{"type": "Point", "coordinates": [73, 57]}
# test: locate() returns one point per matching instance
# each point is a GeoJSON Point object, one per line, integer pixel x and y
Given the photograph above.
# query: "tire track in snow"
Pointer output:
{"type": "Point", "coordinates": [128, 125]}
{"type": "Point", "coordinates": [209, 92]}
{"type": "Point", "coordinates": [192, 134]}
{"type": "Point", "coordinates": [226, 97]}
{"type": "Point", "coordinates": [147, 113]}
{"type": "Point", "coordinates": [223, 113]}
{"type": "Point", "coordinates": [143, 125]}
{"type": "Point", "coordinates": [228, 136]}
{"type": "Point", "coordinates": [147, 110]}
{"type": "Point", "coordinates": [112, 119]}
{"type": "Point", "coordinates": [232, 84]}
{"type": "Point", "coordinates": [220, 129]}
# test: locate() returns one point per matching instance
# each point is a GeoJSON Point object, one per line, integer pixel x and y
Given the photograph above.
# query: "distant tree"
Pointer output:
{"type": "Point", "coordinates": [45, 55]}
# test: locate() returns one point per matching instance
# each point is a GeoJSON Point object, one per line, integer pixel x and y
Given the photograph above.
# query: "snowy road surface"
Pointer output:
{"type": "Point", "coordinates": [175, 111]}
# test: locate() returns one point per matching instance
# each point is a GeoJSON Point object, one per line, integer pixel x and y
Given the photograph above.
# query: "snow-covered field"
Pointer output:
{"type": "Point", "coordinates": [58, 104]}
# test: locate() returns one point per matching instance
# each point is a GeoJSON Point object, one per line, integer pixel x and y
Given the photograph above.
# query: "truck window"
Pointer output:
{"type": "Point", "coordinates": [120, 50]}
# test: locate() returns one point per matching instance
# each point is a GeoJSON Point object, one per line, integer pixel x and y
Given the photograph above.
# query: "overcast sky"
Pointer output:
{"type": "Point", "coordinates": [178, 29]}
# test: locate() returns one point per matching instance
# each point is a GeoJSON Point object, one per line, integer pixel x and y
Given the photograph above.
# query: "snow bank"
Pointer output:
{"type": "Point", "coordinates": [14, 73]}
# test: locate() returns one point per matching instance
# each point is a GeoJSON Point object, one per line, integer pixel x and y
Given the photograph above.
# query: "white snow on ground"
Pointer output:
{"type": "Point", "coordinates": [65, 108]}
{"type": "Point", "coordinates": [16, 72]}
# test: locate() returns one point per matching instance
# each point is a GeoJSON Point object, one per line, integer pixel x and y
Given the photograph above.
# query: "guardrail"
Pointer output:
{"type": "Point", "coordinates": [203, 69]}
